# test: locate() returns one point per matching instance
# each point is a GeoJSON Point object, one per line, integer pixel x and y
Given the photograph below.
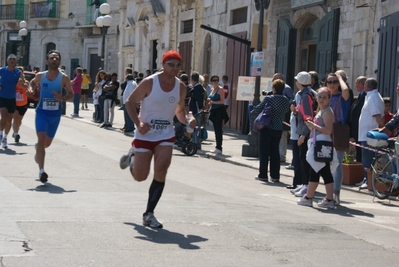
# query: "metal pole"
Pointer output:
{"type": "Point", "coordinates": [256, 100]}
{"type": "Point", "coordinates": [103, 33]}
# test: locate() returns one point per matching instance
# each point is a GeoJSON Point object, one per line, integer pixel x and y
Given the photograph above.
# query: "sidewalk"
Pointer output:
{"type": "Point", "coordinates": [232, 146]}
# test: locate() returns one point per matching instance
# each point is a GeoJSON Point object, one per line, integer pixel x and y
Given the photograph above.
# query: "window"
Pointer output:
{"type": "Point", "coordinates": [239, 15]}
{"type": "Point", "coordinates": [187, 26]}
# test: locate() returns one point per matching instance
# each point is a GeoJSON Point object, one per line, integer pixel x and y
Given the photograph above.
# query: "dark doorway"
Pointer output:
{"type": "Point", "coordinates": [185, 50]}
{"type": "Point", "coordinates": [95, 65]}
{"type": "Point", "coordinates": [154, 55]}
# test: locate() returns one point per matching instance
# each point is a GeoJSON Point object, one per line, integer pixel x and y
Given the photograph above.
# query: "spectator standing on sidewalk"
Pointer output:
{"type": "Point", "coordinates": [340, 103]}
{"type": "Point", "coordinates": [97, 92]}
{"type": "Point", "coordinates": [321, 128]}
{"type": "Point", "coordinates": [371, 117]}
{"type": "Point", "coordinates": [217, 113]}
{"type": "Point", "coordinates": [110, 91]}
{"type": "Point", "coordinates": [161, 96]}
{"type": "Point", "coordinates": [269, 137]}
{"type": "Point", "coordinates": [196, 104]}
{"type": "Point", "coordinates": [304, 111]}
{"type": "Point", "coordinates": [289, 93]}
{"type": "Point", "coordinates": [77, 88]}
{"type": "Point", "coordinates": [86, 81]}
{"type": "Point", "coordinates": [130, 86]}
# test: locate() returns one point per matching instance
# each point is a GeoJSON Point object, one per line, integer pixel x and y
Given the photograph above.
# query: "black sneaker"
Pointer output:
{"type": "Point", "coordinates": [17, 137]}
{"type": "Point", "coordinates": [103, 125]}
{"type": "Point", "coordinates": [43, 177]}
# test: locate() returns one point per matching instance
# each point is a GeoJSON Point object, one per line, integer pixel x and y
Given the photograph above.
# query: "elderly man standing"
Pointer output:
{"type": "Point", "coordinates": [371, 117]}
{"type": "Point", "coordinates": [289, 93]}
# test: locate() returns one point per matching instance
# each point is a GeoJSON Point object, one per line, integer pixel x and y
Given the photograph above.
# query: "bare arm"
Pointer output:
{"type": "Point", "coordinates": [379, 120]}
{"type": "Point", "coordinates": [66, 83]}
{"type": "Point", "coordinates": [328, 118]}
{"type": "Point", "coordinates": [33, 84]}
{"type": "Point", "coordinates": [344, 88]}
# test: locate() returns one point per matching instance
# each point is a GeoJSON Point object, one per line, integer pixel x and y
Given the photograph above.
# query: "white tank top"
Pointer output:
{"type": "Point", "coordinates": [158, 109]}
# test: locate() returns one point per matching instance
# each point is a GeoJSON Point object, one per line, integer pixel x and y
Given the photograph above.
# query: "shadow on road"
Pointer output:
{"type": "Point", "coordinates": [50, 188]}
{"type": "Point", "coordinates": [162, 236]}
{"type": "Point", "coordinates": [347, 212]}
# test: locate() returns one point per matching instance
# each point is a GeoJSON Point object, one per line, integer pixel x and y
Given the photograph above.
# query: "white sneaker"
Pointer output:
{"type": "Point", "coordinates": [363, 186]}
{"type": "Point", "coordinates": [216, 151]}
{"type": "Point", "coordinates": [302, 192]}
{"type": "Point", "coordinates": [336, 199]}
{"type": "Point", "coordinates": [4, 143]}
{"type": "Point", "coordinates": [305, 202]}
{"type": "Point", "coordinates": [326, 204]}
{"type": "Point", "coordinates": [297, 189]}
{"type": "Point", "coordinates": [362, 182]}
{"type": "Point", "coordinates": [127, 160]}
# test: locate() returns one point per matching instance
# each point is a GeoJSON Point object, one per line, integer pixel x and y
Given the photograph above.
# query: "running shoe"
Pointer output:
{"type": "Point", "coordinates": [302, 192]}
{"type": "Point", "coordinates": [4, 143]}
{"type": "Point", "coordinates": [326, 204]}
{"type": "Point", "coordinates": [16, 137]}
{"type": "Point", "coordinates": [262, 179]}
{"type": "Point", "coordinates": [43, 177]}
{"type": "Point", "coordinates": [216, 151]}
{"type": "Point", "coordinates": [362, 182]}
{"type": "Point", "coordinates": [150, 221]}
{"type": "Point", "coordinates": [303, 201]}
{"type": "Point", "coordinates": [127, 160]}
{"type": "Point", "coordinates": [289, 167]}
{"type": "Point", "coordinates": [297, 189]}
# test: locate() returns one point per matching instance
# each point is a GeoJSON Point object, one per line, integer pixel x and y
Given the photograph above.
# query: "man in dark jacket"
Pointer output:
{"type": "Point", "coordinates": [354, 114]}
{"type": "Point", "coordinates": [196, 104]}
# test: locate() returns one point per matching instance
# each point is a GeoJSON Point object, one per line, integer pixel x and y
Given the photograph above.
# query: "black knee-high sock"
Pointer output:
{"type": "Point", "coordinates": [154, 195]}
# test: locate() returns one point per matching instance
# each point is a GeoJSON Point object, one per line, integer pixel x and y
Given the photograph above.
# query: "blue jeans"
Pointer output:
{"type": "Point", "coordinates": [338, 172]}
{"type": "Point", "coordinates": [76, 102]}
{"type": "Point", "coordinates": [367, 157]}
{"type": "Point", "coordinates": [129, 125]}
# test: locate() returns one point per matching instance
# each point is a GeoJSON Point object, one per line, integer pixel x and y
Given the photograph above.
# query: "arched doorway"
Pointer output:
{"type": "Point", "coordinates": [308, 44]}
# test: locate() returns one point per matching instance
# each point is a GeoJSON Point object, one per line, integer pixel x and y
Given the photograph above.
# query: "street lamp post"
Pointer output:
{"type": "Point", "coordinates": [23, 32]}
{"type": "Point", "coordinates": [104, 22]}
{"type": "Point", "coordinates": [252, 148]}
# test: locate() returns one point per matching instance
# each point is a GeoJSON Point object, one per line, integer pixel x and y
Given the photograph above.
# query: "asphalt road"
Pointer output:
{"type": "Point", "coordinates": [214, 213]}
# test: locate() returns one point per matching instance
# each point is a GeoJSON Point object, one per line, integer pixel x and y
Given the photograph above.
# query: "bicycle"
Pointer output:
{"type": "Point", "coordinates": [384, 172]}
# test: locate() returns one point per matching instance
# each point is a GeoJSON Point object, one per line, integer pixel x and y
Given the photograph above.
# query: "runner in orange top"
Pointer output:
{"type": "Point", "coordinates": [22, 106]}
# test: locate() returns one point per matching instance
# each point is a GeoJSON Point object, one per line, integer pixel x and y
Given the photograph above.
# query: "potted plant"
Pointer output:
{"type": "Point", "coordinates": [352, 171]}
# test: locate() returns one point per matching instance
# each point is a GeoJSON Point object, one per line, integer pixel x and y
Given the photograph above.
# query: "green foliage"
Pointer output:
{"type": "Point", "coordinates": [350, 156]}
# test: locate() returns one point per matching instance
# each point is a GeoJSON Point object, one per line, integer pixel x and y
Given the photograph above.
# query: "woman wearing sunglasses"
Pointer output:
{"type": "Point", "coordinates": [340, 103]}
{"type": "Point", "coordinates": [216, 101]}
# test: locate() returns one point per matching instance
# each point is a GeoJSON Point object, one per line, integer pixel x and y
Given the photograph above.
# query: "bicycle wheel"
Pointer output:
{"type": "Point", "coordinates": [381, 169]}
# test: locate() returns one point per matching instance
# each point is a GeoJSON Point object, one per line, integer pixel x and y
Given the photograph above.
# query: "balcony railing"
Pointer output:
{"type": "Point", "coordinates": [13, 12]}
{"type": "Point", "coordinates": [44, 10]}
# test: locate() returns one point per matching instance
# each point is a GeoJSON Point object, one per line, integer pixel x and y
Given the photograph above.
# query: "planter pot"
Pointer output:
{"type": "Point", "coordinates": [352, 173]}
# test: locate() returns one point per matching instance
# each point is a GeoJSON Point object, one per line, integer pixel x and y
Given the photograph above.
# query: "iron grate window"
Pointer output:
{"type": "Point", "coordinates": [239, 15]}
{"type": "Point", "coordinates": [187, 26]}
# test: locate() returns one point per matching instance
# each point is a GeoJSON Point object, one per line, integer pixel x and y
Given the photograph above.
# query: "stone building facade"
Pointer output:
{"type": "Point", "coordinates": [359, 36]}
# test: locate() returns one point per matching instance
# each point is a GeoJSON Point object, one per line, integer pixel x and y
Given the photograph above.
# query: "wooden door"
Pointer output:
{"type": "Point", "coordinates": [327, 43]}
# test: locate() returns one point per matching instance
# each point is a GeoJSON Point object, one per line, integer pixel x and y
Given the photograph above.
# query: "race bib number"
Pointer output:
{"type": "Point", "coordinates": [19, 97]}
{"type": "Point", "coordinates": [159, 126]}
{"type": "Point", "coordinates": [50, 104]}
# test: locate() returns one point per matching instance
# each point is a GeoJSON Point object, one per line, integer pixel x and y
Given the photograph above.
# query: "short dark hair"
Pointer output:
{"type": "Point", "coordinates": [278, 86]}
{"type": "Point", "coordinates": [129, 70]}
{"type": "Point", "coordinates": [315, 76]}
{"type": "Point", "coordinates": [195, 76]}
{"type": "Point", "coordinates": [141, 75]}
{"type": "Point", "coordinates": [114, 74]}
{"type": "Point", "coordinates": [184, 77]}
{"type": "Point", "coordinates": [371, 83]}
{"type": "Point", "coordinates": [54, 52]}
{"type": "Point", "coordinates": [129, 77]}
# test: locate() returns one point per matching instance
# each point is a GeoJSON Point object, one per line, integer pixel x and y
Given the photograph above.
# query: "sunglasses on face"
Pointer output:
{"type": "Point", "coordinates": [333, 82]}
{"type": "Point", "coordinates": [173, 64]}
{"type": "Point", "coordinates": [214, 81]}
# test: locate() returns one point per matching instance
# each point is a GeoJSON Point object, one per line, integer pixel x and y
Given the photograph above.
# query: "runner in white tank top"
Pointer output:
{"type": "Point", "coordinates": [162, 96]}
